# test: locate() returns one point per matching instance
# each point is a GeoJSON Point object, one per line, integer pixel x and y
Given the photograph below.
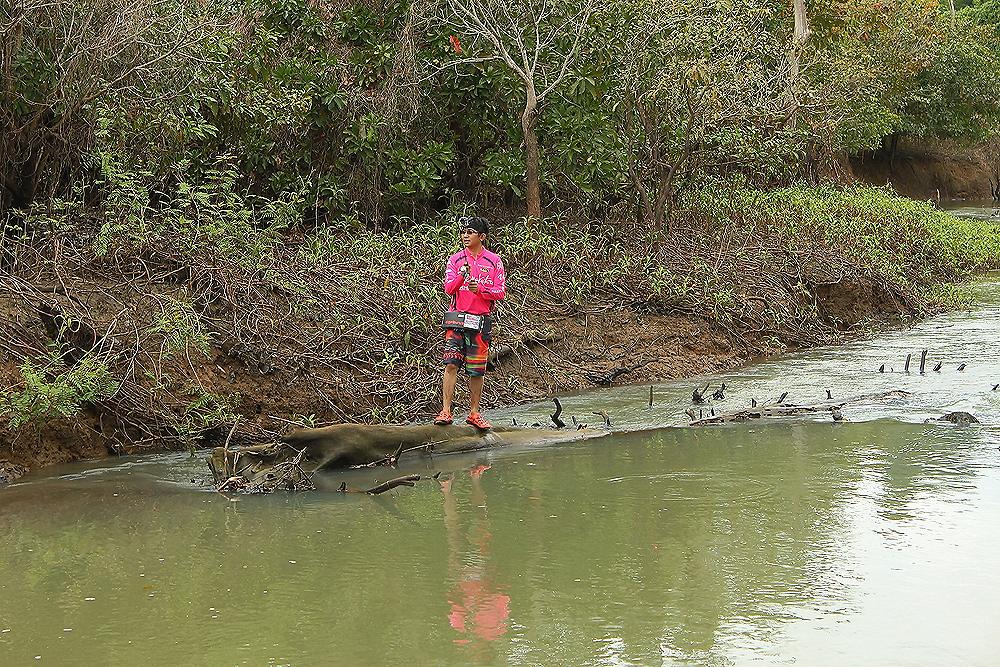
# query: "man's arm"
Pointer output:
{"type": "Point", "coordinates": [498, 290]}
{"type": "Point", "coordinates": [453, 278]}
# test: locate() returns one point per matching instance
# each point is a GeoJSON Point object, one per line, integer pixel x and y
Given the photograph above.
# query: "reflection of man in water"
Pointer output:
{"type": "Point", "coordinates": [478, 609]}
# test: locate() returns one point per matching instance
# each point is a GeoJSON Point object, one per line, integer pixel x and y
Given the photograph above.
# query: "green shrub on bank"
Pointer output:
{"type": "Point", "coordinates": [51, 390]}
{"type": "Point", "coordinates": [893, 240]}
{"type": "Point", "coordinates": [901, 242]}
{"type": "Point", "coordinates": [209, 215]}
{"type": "Point", "coordinates": [907, 242]}
{"type": "Point", "coordinates": [950, 296]}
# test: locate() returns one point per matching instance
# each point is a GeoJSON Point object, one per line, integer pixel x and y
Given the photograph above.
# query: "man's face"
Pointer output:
{"type": "Point", "coordinates": [471, 238]}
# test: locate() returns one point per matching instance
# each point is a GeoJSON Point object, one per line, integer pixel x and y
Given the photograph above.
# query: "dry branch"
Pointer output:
{"type": "Point", "coordinates": [785, 410]}
{"type": "Point", "coordinates": [406, 480]}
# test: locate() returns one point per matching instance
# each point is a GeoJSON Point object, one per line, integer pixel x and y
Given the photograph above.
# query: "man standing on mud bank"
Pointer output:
{"type": "Point", "coordinates": [474, 280]}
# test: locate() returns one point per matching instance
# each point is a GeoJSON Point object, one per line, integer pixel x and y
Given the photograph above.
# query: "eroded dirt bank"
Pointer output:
{"type": "Point", "coordinates": [149, 344]}
{"type": "Point", "coordinates": [926, 170]}
{"type": "Point", "coordinates": [587, 349]}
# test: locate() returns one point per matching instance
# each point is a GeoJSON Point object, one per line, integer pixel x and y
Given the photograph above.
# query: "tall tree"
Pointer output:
{"type": "Point", "coordinates": [697, 88]}
{"type": "Point", "coordinates": [536, 40]}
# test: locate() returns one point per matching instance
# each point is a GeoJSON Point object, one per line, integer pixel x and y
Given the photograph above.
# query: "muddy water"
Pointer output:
{"type": "Point", "coordinates": [799, 541]}
{"type": "Point", "coordinates": [982, 209]}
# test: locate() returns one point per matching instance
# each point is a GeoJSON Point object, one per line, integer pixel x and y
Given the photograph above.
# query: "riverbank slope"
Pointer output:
{"type": "Point", "coordinates": [932, 170]}
{"type": "Point", "coordinates": [125, 340]}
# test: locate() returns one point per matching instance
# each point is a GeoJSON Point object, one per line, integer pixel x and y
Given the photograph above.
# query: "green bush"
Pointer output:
{"type": "Point", "coordinates": [904, 241]}
{"type": "Point", "coordinates": [51, 390]}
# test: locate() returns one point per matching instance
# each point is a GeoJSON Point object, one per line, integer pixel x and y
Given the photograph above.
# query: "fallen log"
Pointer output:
{"type": "Point", "coordinates": [760, 412]}
{"type": "Point", "coordinates": [361, 445]}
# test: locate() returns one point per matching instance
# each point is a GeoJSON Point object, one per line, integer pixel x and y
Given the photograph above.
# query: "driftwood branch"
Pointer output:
{"type": "Point", "coordinates": [393, 459]}
{"type": "Point", "coordinates": [406, 480]}
{"type": "Point", "coordinates": [555, 416]}
{"type": "Point", "coordinates": [286, 475]}
{"type": "Point", "coordinates": [785, 410]}
{"type": "Point", "coordinates": [606, 379]}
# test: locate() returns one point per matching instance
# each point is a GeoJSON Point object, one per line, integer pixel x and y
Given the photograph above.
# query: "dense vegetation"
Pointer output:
{"type": "Point", "coordinates": [386, 111]}
{"type": "Point", "coordinates": [266, 188]}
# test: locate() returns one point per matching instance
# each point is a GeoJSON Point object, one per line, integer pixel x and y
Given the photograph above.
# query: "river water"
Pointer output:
{"type": "Point", "coordinates": [796, 541]}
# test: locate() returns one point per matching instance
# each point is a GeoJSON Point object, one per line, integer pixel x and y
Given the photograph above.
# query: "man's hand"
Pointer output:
{"type": "Point", "coordinates": [473, 285]}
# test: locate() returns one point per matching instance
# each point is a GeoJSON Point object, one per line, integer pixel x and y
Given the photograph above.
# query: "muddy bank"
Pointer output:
{"type": "Point", "coordinates": [592, 348]}
{"type": "Point", "coordinates": [571, 353]}
{"type": "Point", "coordinates": [165, 346]}
{"type": "Point", "coordinates": [931, 170]}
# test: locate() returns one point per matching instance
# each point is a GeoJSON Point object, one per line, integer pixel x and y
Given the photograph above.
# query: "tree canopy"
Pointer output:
{"type": "Point", "coordinates": [385, 111]}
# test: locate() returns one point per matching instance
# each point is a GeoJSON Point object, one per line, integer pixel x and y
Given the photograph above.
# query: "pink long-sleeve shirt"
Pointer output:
{"type": "Point", "coordinates": [487, 268]}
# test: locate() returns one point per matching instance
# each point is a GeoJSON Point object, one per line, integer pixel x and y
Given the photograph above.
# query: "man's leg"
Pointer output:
{"type": "Point", "coordinates": [475, 392]}
{"type": "Point", "coordinates": [454, 356]}
{"type": "Point", "coordinates": [448, 389]}
{"type": "Point", "coordinates": [476, 353]}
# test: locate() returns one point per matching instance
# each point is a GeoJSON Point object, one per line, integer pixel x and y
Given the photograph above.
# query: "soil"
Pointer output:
{"type": "Point", "coordinates": [566, 354]}
{"type": "Point", "coordinates": [635, 348]}
{"type": "Point", "coordinates": [925, 170]}
{"type": "Point", "coordinates": [845, 304]}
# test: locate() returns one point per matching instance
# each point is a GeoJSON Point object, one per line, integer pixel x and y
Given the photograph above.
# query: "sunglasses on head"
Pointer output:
{"type": "Point", "coordinates": [472, 225]}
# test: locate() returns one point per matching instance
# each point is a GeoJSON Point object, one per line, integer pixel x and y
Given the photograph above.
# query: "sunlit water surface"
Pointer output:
{"type": "Point", "coordinates": [796, 541]}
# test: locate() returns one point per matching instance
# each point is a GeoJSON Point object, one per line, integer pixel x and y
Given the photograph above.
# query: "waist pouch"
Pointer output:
{"type": "Point", "coordinates": [456, 319]}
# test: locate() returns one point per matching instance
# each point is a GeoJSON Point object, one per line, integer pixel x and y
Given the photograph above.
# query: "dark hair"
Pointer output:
{"type": "Point", "coordinates": [481, 225]}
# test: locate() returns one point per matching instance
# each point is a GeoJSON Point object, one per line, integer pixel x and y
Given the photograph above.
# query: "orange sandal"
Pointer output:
{"type": "Point", "coordinates": [477, 420]}
{"type": "Point", "coordinates": [444, 418]}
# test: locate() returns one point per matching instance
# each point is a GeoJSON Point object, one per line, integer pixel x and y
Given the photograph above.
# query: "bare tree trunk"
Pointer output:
{"type": "Point", "coordinates": [994, 157]}
{"type": "Point", "coordinates": [800, 33]}
{"type": "Point", "coordinates": [893, 146]}
{"type": "Point", "coordinates": [644, 205]}
{"type": "Point", "coordinates": [799, 36]}
{"type": "Point", "coordinates": [529, 123]}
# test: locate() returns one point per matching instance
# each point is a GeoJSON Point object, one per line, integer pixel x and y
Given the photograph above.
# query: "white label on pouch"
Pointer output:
{"type": "Point", "coordinates": [472, 321]}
